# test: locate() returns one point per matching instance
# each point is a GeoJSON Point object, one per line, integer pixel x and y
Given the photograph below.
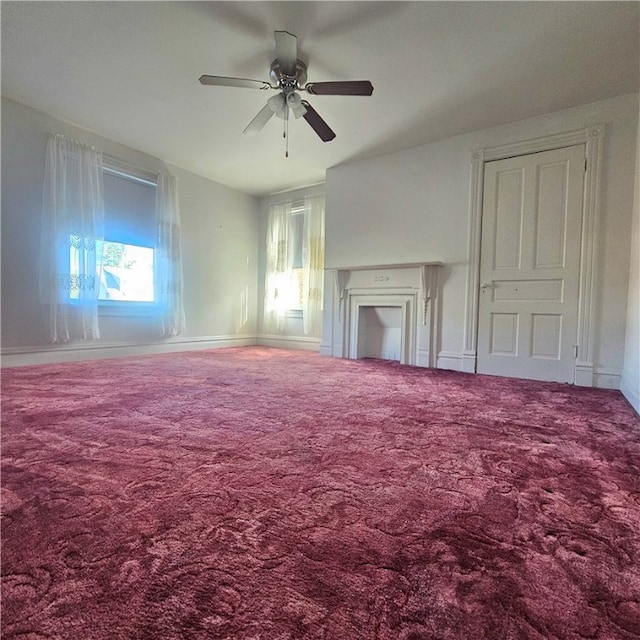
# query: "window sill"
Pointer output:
{"type": "Point", "coordinates": [127, 309]}
{"type": "Point", "coordinates": [294, 313]}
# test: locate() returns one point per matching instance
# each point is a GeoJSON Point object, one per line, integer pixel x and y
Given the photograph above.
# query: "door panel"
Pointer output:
{"type": "Point", "coordinates": [504, 334]}
{"type": "Point", "coordinates": [546, 331]}
{"type": "Point", "coordinates": [508, 220]}
{"type": "Point", "coordinates": [550, 217]}
{"type": "Point", "coordinates": [529, 269]}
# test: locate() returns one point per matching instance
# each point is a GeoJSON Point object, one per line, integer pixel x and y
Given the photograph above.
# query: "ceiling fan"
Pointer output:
{"type": "Point", "coordinates": [288, 76]}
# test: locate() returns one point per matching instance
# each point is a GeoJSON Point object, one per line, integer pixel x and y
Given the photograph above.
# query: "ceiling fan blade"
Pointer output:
{"type": "Point", "coordinates": [256, 125]}
{"type": "Point", "coordinates": [317, 123]}
{"type": "Point", "coordinates": [222, 81]}
{"type": "Point", "coordinates": [286, 52]}
{"type": "Point", "coordinates": [342, 88]}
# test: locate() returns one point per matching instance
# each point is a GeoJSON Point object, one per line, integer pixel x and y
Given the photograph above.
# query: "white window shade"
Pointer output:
{"type": "Point", "coordinates": [129, 209]}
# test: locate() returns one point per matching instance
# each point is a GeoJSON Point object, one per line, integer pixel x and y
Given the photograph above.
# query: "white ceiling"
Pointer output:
{"type": "Point", "coordinates": [129, 71]}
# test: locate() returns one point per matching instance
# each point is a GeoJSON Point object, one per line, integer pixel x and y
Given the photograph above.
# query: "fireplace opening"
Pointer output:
{"type": "Point", "coordinates": [380, 332]}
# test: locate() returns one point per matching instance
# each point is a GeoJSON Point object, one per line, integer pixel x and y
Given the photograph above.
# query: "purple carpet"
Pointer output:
{"type": "Point", "coordinates": [261, 494]}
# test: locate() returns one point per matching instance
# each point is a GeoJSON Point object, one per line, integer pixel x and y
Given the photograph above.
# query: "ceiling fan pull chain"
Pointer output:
{"type": "Point", "coordinates": [286, 130]}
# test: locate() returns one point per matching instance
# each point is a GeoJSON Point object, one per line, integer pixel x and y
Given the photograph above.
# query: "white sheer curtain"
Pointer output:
{"type": "Point", "coordinates": [279, 294]}
{"type": "Point", "coordinates": [168, 257]}
{"type": "Point", "coordinates": [313, 266]}
{"type": "Point", "coordinates": [72, 234]}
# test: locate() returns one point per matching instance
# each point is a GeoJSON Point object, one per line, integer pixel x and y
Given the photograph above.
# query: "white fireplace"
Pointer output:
{"type": "Point", "coordinates": [383, 311]}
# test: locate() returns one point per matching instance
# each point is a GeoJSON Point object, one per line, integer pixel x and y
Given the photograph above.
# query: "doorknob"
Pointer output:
{"type": "Point", "coordinates": [486, 285]}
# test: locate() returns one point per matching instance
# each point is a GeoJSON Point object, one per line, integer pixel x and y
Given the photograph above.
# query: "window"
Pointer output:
{"type": "Point", "coordinates": [294, 270]}
{"type": "Point", "coordinates": [124, 260]}
{"type": "Point", "coordinates": [124, 271]}
{"type": "Point", "coordinates": [110, 244]}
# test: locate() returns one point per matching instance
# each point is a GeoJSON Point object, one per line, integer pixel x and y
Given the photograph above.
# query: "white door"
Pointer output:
{"type": "Point", "coordinates": [529, 265]}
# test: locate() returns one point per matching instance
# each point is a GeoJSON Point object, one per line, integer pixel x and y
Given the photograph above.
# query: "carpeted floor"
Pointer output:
{"type": "Point", "coordinates": [261, 494]}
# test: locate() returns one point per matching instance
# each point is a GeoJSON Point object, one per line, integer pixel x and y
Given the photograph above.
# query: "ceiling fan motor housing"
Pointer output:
{"type": "Point", "coordinates": [285, 82]}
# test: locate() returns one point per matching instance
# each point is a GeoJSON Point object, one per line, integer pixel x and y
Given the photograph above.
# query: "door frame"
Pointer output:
{"type": "Point", "coordinates": [593, 139]}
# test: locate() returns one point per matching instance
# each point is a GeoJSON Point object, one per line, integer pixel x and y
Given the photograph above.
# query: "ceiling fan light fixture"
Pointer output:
{"type": "Point", "coordinates": [278, 105]}
{"type": "Point", "coordinates": [295, 104]}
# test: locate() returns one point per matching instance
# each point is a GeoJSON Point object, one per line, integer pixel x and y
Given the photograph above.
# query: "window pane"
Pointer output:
{"type": "Point", "coordinates": [127, 273]}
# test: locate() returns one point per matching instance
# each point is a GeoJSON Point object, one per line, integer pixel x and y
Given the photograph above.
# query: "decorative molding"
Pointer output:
{"type": "Point", "coordinates": [544, 143]}
{"type": "Point", "coordinates": [473, 253]}
{"type": "Point", "coordinates": [606, 378]}
{"type": "Point", "coordinates": [593, 139]}
{"type": "Point", "coordinates": [450, 360]}
{"type": "Point", "coordinates": [469, 361]}
{"type": "Point", "coordinates": [583, 374]}
{"type": "Point", "coordinates": [325, 350]}
{"type": "Point", "coordinates": [590, 227]}
{"type": "Point", "coordinates": [382, 267]}
{"type": "Point", "coordinates": [423, 358]}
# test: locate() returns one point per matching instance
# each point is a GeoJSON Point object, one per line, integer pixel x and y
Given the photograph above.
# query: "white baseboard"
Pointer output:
{"type": "Point", "coordinates": [20, 356]}
{"type": "Point", "coordinates": [302, 343]}
{"type": "Point", "coordinates": [469, 359]}
{"type": "Point", "coordinates": [325, 350]}
{"type": "Point", "coordinates": [606, 378]}
{"type": "Point", "coordinates": [584, 374]}
{"type": "Point", "coordinates": [450, 360]}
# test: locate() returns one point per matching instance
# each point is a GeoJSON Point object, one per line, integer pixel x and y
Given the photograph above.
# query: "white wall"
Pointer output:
{"type": "Point", "coordinates": [413, 206]}
{"type": "Point", "coordinates": [630, 384]}
{"type": "Point", "coordinates": [220, 250]}
{"type": "Point", "coordinates": [293, 334]}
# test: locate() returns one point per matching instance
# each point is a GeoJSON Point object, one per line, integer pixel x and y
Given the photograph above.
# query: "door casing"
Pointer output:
{"type": "Point", "coordinates": [593, 139]}
{"type": "Point", "coordinates": [529, 265]}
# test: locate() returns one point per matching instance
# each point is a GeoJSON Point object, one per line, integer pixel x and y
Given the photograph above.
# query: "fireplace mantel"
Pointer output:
{"type": "Point", "coordinates": [376, 267]}
{"type": "Point", "coordinates": [359, 285]}
{"type": "Point", "coordinates": [428, 282]}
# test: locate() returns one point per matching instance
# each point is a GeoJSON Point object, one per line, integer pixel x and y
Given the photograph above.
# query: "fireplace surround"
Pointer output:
{"type": "Point", "coordinates": [387, 311]}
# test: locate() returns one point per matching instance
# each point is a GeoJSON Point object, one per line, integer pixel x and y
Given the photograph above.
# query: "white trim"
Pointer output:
{"type": "Point", "coordinates": [20, 356]}
{"type": "Point", "coordinates": [406, 302]}
{"type": "Point", "coordinates": [606, 378]}
{"type": "Point", "coordinates": [545, 143]}
{"type": "Point", "coordinates": [381, 267]}
{"type": "Point", "coordinates": [473, 257]}
{"type": "Point", "coordinates": [469, 362]}
{"type": "Point", "coordinates": [325, 350]}
{"type": "Point", "coordinates": [123, 169]}
{"type": "Point", "coordinates": [593, 139]}
{"type": "Point", "coordinates": [420, 279]}
{"type": "Point", "coordinates": [450, 360]}
{"type": "Point", "coordinates": [590, 227]}
{"type": "Point", "coordinates": [301, 343]}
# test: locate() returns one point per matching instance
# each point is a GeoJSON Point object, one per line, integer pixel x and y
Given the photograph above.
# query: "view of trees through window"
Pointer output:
{"type": "Point", "coordinates": [125, 271]}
